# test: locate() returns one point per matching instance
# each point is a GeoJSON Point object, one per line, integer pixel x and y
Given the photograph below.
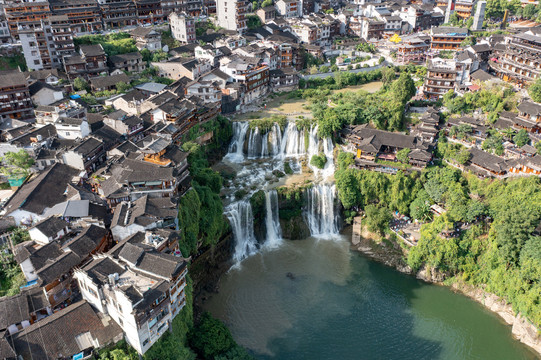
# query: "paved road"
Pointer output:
{"type": "Point", "coordinates": [324, 75]}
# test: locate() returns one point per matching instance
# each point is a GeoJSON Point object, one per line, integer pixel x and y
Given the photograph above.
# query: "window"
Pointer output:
{"type": "Point", "coordinates": [36, 62]}
{"type": "Point", "coordinates": [145, 342]}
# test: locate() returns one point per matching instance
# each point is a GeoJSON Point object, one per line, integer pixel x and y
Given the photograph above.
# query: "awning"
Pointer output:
{"type": "Point", "coordinates": [153, 183]}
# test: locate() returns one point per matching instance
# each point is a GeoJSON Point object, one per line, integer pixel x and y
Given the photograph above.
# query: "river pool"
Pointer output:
{"type": "Point", "coordinates": [316, 299]}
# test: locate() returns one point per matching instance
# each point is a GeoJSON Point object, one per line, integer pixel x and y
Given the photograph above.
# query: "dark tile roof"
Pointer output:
{"type": "Point", "coordinates": [108, 81]}
{"type": "Point", "coordinates": [131, 253]}
{"type": "Point", "coordinates": [92, 50]}
{"type": "Point", "coordinates": [59, 266]}
{"type": "Point", "coordinates": [51, 225]}
{"type": "Point", "coordinates": [125, 57]}
{"type": "Point", "coordinates": [530, 108]}
{"type": "Point", "coordinates": [108, 135]}
{"type": "Point", "coordinates": [481, 75]}
{"type": "Point", "coordinates": [36, 86]}
{"type": "Point", "coordinates": [44, 191]}
{"type": "Point", "coordinates": [488, 161]}
{"type": "Point", "coordinates": [12, 78]}
{"type": "Point", "coordinates": [87, 241]}
{"type": "Point", "coordinates": [134, 95]}
{"type": "Point", "coordinates": [100, 268]}
{"type": "Point", "coordinates": [44, 255]}
{"type": "Point", "coordinates": [45, 132]}
{"type": "Point", "coordinates": [163, 265]}
{"type": "Point", "coordinates": [13, 310]}
{"type": "Point", "coordinates": [141, 31]}
{"type": "Point", "coordinates": [56, 336]}
{"type": "Point", "coordinates": [6, 351]}
{"type": "Point", "coordinates": [88, 146]}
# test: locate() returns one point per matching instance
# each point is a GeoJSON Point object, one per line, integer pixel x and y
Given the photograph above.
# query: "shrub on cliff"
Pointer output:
{"type": "Point", "coordinates": [318, 161]}
{"type": "Point", "coordinates": [210, 338]}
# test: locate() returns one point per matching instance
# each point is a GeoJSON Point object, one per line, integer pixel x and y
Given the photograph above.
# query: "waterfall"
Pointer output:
{"type": "Point", "coordinates": [242, 222]}
{"type": "Point", "coordinates": [255, 143]}
{"type": "Point", "coordinates": [292, 141]}
{"type": "Point", "coordinates": [321, 214]}
{"type": "Point", "coordinates": [272, 221]}
{"type": "Point", "coordinates": [239, 136]}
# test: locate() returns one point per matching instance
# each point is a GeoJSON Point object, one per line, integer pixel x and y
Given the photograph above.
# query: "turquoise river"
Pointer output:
{"type": "Point", "coordinates": [316, 299]}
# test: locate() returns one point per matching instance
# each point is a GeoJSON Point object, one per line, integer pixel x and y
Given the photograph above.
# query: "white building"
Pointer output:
{"type": "Point", "coordinates": [182, 27]}
{"type": "Point", "coordinates": [288, 8]}
{"type": "Point", "coordinates": [232, 14]}
{"type": "Point", "coordinates": [142, 290]}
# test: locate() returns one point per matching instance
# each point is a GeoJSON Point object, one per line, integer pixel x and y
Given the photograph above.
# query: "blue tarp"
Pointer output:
{"type": "Point", "coordinates": [73, 97]}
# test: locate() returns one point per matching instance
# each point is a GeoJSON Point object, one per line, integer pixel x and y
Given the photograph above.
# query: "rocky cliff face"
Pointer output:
{"type": "Point", "coordinates": [294, 228]}
{"type": "Point", "coordinates": [207, 269]}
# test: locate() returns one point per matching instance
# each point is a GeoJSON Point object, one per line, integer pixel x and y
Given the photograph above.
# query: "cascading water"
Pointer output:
{"type": "Point", "coordinates": [321, 214]}
{"type": "Point", "coordinates": [236, 147]}
{"type": "Point", "coordinates": [242, 222]}
{"type": "Point", "coordinates": [275, 146]}
{"type": "Point", "coordinates": [272, 221]}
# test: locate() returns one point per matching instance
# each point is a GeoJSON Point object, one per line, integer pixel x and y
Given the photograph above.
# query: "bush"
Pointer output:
{"type": "Point", "coordinates": [318, 161]}
{"type": "Point", "coordinates": [210, 338]}
{"type": "Point", "coordinates": [287, 168]}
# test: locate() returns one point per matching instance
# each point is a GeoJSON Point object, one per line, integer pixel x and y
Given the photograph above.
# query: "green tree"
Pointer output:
{"type": "Point", "coordinates": [266, 3]}
{"type": "Point", "coordinates": [535, 91]}
{"type": "Point", "coordinates": [210, 338]}
{"type": "Point", "coordinates": [122, 87]}
{"type": "Point", "coordinates": [159, 56]}
{"type": "Point", "coordinates": [402, 155]}
{"type": "Point", "coordinates": [147, 55]}
{"type": "Point", "coordinates": [403, 88]}
{"type": "Point", "coordinates": [81, 84]}
{"type": "Point", "coordinates": [387, 75]}
{"type": "Point", "coordinates": [420, 207]}
{"type": "Point", "coordinates": [253, 21]}
{"type": "Point", "coordinates": [19, 235]}
{"type": "Point", "coordinates": [324, 69]}
{"type": "Point", "coordinates": [521, 138]}
{"type": "Point", "coordinates": [318, 161]}
{"type": "Point", "coordinates": [377, 219]}
{"type": "Point", "coordinates": [454, 18]}
{"type": "Point", "coordinates": [16, 164]}
{"type": "Point", "coordinates": [334, 68]}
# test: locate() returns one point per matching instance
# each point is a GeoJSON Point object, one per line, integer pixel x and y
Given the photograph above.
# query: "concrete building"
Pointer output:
{"type": "Point", "coordinates": [15, 101]}
{"type": "Point", "coordinates": [37, 46]}
{"type": "Point", "coordinates": [521, 61]}
{"type": "Point", "coordinates": [182, 27]}
{"type": "Point", "coordinates": [232, 14]}
{"type": "Point", "coordinates": [288, 8]}
{"type": "Point", "coordinates": [479, 16]}
{"type": "Point", "coordinates": [140, 288]}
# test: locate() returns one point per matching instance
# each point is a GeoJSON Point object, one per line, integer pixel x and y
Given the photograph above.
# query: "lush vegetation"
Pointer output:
{"type": "Point", "coordinates": [491, 100]}
{"type": "Point", "coordinates": [200, 210]}
{"type": "Point", "coordinates": [318, 161]}
{"type": "Point", "coordinates": [383, 109]}
{"type": "Point", "coordinates": [265, 124]}
{"type": "Point", "coordinates": [13, 62]}
{"type": "Point", "coordinates": [11, 276]}
{"type": "Point", "coordinates": [16, 164]}
{"type": "Point", "coordinates": [496, 248]}
{"type": "Point", "coordinates": [211, 339]}
{"type": "Point", "coordinates": [535, 91]}
{"type": "Point", "coordinates": [113, 44]}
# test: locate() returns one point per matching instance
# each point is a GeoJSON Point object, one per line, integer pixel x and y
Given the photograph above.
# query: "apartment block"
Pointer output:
{"type": "Point", "coordinates": [232, 14]}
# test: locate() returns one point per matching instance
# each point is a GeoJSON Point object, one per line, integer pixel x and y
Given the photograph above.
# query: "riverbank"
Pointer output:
{"type": "Point", "coordinates": [391, 254]}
